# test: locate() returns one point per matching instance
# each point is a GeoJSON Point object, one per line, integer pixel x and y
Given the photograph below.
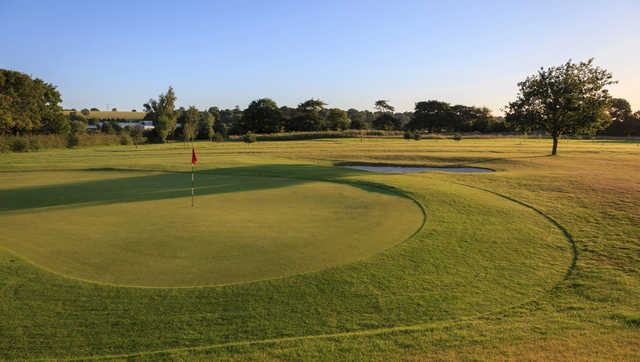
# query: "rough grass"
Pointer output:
{"type": "Point", "coordinates": [492, 274]}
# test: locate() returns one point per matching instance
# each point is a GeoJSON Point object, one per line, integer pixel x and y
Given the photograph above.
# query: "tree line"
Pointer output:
{"type": "Point", "coordinates": [565, 100]}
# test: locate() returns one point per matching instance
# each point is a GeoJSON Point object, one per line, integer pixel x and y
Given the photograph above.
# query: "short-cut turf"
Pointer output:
{"type": "Point", "coordinates": [242, 228]}
{"type": "Point", "coordinates": [486, 276]}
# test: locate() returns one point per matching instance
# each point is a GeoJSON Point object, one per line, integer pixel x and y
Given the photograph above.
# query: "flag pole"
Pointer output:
{"type": "Point", "coordinates": [194, 159]}
{"type": "Point", "coordinates": [192, 188]}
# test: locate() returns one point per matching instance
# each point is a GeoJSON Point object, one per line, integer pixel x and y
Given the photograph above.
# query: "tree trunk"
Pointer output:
{"type": "Point", "coordinates": [555, 145]}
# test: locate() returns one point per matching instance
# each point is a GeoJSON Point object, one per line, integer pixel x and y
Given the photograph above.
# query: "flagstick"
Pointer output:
{"type": "Point", "coordinates": [192, 191]}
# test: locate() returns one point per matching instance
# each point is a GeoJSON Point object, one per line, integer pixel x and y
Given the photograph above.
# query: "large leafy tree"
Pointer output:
{"type": "Point", "coordinates": [262, 116]}
{"type": "Point", "coordinates": [565, 100]}
{"type": "Point", "coordinates": [28, 104]}
{"type": "Point", "coordinates": [161, 112]}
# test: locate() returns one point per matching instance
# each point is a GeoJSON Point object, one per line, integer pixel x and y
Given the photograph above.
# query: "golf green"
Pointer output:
{"type": "Point", "coordinates": [140, 229]}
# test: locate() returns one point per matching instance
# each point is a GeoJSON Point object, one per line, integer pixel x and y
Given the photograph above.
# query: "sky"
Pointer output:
{"type": "Point", "coordinates": [119, 54]}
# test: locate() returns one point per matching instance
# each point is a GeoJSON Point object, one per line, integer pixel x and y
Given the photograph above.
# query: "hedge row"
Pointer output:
{"type": "Point", "coordinates": [47, 141]}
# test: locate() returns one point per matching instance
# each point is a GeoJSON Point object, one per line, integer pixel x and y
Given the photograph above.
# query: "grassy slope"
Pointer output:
{"type": "Point", "coordinates": [132, 116]}
{"type": "Point", "coordinates": [596, 302]}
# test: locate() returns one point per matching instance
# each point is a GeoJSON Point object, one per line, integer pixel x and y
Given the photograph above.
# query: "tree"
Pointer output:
{"type": "Point", "coordinates": [75, 116]}
{"type": "Point", "coordinates": [307, 116]}
{"type": "Point", "coordinates": [136, 134]}
{"type": "Point", "coordinates": [162, 126]}
{"type": "Point", "coordinates": [114, 109]}
{"type": "Point", "coordinates": [107, 127]}
{"type": "Point", "coordinates": [57, 123]}
{"type": "Point", "coordinates": [564, 100]}
{"type": "Point", "coordinates": [382, 105]}
{"type": "Point", "coordinates": [27, 104]}
{"type": "Point", "coordinates": [337, 119]}
{"type": "Point", "coordinates": [190, 123]}
{"type": "Point", "coordinates": [430, 115]}
{"type": "Point", "coordinates": [95, 110]}
{"type": "Point", "coordinates": [85, 111]}
{"type": "Point", "coordinates": [78, 127]}
{"type": "Point", "coordinates": [262, 116]}
{"type": "Point", "coordinates": [161, 112]}
{"type": "Point", "coordinates": [357, 119]}
{"type": "Point", "coordinates": [205, 126]}
{"type": "Point", "coordinates": [619, 109]}
{"type": "Point", "coordinates": [386, 121]}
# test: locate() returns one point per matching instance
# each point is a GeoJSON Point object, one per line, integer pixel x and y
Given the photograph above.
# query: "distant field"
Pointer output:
{"type": "Point", "coordinates": [133, 116]}
{"type": "Point", "coordinates": [297, 259]}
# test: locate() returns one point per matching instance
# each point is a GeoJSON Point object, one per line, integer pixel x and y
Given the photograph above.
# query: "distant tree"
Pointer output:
{"type": "Point", "coordinates": [382, 105]}
{"type": "Point", "coordinates": [205, 126]}
{"type": "Point", "coordinates": [215, 112]}
{"type": "Point", "coordinates": [107, 128]}
{"type": "Point", "coordinates": [28, 104]}
{"type": "Point", "coordinates": [163, 124]}
{"type": "Point", "coordinates": [114, 109]}
{"type": "Point", "coordinates": [249, 137]}
{"type": "Point", "coordinates": [357, 119]}
{"type": "Point", "coordinates": [78, 127]}
{"type": "Point", "coordinates": [337, 119]}
{"type": "Point", "coordinates": [386, 121]}
{"type": "Point", "coordinates": [634, 124]}
{"type": "Point", "coordinates": [136, 134]}
{"type": "Point", "coordinates": [161, 112]}
{"type": "Point", "coordinates": [564, 100]}
{"type": "Point", "coordinates": [57, 123]}
{"type": "Point", "coordinates": [307, 116]}
{"type": "Point", "coordinates": [75, 116]}
{"type": "Point", "coordinates": [619, 109]}
{"type": "Point", "coordinates": [430, 115]}
{"type": "Point", "coordinates": [133, 110]}
{"type": "Point", "coordinates": [85, 111]}
{"type": "Point", "coordinates": [95, 110]}
{"type": "Point", "coordinates": [190, 123]}
{"type": "Point", "coordinates": [621, 118]}
{"type": "Point", "coordinates": [262, 116]}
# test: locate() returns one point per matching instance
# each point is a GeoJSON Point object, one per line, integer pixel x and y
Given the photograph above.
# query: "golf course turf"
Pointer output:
{"type": "Point", "coordinates": [294, 258]}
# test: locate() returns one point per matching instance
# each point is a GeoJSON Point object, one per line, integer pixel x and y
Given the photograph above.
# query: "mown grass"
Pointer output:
{"type": "Point", "coordinates": [485, 278]}
{"type": "Point", "coordinates": [242, 228]}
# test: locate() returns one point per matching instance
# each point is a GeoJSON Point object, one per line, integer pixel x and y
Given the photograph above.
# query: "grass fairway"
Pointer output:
{"type": "Point", "coordinates": [541, 256]}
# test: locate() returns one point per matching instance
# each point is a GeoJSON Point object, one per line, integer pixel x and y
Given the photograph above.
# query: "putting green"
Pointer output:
{"type": "Point", "coordinates": [139, 229]}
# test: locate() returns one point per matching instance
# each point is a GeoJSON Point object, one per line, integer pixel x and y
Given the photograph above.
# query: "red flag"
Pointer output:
{"type": "Point", "coordinates": [194, 158]}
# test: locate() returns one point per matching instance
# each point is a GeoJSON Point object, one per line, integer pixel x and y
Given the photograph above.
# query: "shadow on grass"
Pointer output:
{"type": "Point", "coordinates": [449, 162]}
{"type": "Point", "coordinates": [169, 185]}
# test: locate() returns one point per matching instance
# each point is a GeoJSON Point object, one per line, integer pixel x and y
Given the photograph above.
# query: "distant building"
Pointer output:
{"type": "Point", "coordinates": [146, 125]}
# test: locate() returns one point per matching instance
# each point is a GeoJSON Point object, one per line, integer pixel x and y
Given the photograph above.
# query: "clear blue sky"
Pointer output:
{"type": "Point", "coordinates": [347, 53]}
